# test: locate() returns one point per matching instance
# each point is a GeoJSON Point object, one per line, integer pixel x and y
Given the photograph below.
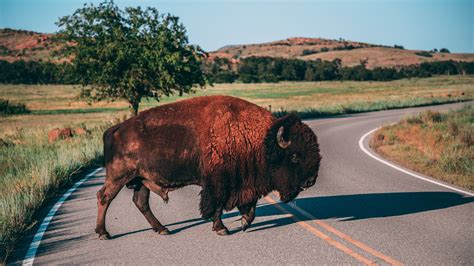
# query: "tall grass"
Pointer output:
{"type": "Point", "coordinates": [438, 144]}
{"type": "Point", "coordinates": [369, 106]}
{"type": "Point", "coordinates": [32, 170]}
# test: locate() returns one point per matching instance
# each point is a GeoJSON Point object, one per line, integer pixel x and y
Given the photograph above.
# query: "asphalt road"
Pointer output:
{"type": "Point", "coordinates": [360, 212]}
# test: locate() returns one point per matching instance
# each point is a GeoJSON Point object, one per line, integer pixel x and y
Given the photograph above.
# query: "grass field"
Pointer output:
{"type": "Point", "coordinates": [54, 106]}
{"type": "Point", "coordinates": [439, 145]}
{"type": "Point", "coordinates": [31, 169]}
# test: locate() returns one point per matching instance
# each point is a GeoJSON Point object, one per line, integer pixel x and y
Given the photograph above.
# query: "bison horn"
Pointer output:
{"type": "Point", "coordinates": [281, 141]}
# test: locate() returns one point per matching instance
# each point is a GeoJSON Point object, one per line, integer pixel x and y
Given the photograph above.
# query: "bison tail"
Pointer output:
{"type": "Point", "coordinates": [108, 143]}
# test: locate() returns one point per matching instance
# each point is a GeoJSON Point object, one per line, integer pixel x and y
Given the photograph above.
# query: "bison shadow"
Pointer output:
{"type": "Point", "coordinates": [348, 208]}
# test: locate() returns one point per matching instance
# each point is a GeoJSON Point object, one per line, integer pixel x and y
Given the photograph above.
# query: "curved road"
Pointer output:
{"type": "Point", "coordinates": [360, 212]}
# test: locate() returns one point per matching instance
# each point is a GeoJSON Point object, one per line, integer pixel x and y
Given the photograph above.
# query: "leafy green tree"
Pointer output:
{"type": "Point", "coordinates": [130, 54]}
{"type": "Point", "coordinates": [444, 50]}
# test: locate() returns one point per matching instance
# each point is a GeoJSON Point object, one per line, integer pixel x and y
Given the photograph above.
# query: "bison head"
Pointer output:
{"type": "Point", "coordinates": [293, 156]}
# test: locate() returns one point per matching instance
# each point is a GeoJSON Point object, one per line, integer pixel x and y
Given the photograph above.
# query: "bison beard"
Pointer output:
{"type": "Point", "coordinates": [235, 150]}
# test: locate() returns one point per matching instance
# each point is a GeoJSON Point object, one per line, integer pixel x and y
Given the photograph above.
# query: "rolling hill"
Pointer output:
{"type": "Point", "coordinates": [351, 53]}
{"type": "Point", "coordinates": [27, 45]}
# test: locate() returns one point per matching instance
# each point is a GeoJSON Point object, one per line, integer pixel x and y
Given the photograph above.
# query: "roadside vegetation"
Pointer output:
{"type": "Point", "coordinates": [32, 170]}
{"type": "Point", "coordinates": [440, 145]}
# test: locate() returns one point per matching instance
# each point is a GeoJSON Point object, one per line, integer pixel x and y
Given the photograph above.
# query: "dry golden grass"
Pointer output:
{"type": "Point", "coordinates": [331, 97]}
{"type": "Point", "coordinates": [385, 57]}
{"type": "Point", "coordinates": [288, 48]}
{"type": "Point", "coordinates": [436, 144]}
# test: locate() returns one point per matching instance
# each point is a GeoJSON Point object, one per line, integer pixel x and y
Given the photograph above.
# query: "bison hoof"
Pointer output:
{"type": "Point", "coordinates": [245, 224]}
{"type": "Point", "coordinates": [105, 236]}
{"type": "Point", "coordinates": [164, 231]}
{"type": "Point", "coordinates": [223, 232]}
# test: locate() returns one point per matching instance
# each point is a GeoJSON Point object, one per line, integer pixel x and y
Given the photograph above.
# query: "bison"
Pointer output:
{"type": "Point", "coordinates": [236, 151]}
{"type": "Point", "coordinates": [57, 134]}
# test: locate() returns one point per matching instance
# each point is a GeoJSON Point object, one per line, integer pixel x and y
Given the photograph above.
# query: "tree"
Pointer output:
{"type": "Point", "coordinates": [130, 54]}
{"type": "Point", "coordinates": [444, 50]}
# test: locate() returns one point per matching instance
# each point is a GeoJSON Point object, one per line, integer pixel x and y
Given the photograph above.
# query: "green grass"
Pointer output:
{"type": "Point", "coordinates": [32, 170]}
{"type": "Point", "coordinates": [437, 144]}
{"type": "Point", "coordinates": [77, 111]}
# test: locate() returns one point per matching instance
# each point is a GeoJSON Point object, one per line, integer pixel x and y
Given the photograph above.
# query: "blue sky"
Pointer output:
{"type": "Point", "coordinates": [415, 24]}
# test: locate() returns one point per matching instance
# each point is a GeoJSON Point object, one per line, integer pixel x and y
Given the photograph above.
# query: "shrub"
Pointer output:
{"type": "Point", "coordinates": [424, 54]}
{"type": "Point", "coordinates": [10, 108]}
{"type": "Point", "coordinates": [308, 52]}
{"type": "Point", "coordinates": [430, 116]}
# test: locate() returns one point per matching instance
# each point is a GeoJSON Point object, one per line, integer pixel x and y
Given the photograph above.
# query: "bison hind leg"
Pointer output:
{"type": "Point", "coordinates": [141, 199]}
{"type": "Point", "coordinates": [104, 197]}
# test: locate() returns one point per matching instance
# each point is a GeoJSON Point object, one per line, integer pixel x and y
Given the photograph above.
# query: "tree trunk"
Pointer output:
{"type": "Point", "coordinates": [134, 108]}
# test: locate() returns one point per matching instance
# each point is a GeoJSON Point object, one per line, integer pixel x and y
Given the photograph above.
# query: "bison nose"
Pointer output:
{"type": "Point", "coordinates": [310, 183]}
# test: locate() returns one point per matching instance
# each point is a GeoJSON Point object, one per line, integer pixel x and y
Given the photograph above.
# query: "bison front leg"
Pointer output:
{"type": "Point", "coordinates": [211, 208]}
{"type": "Point", "coordinates": [217, 224]}
{"type": "Point", "coordinates": [248, 214]}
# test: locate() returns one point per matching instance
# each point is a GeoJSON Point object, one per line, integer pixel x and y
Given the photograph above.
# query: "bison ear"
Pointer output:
{"type": "Point", "coordinates": [281, 140]}
{"type": "Point", "coordinates": [282, 128]}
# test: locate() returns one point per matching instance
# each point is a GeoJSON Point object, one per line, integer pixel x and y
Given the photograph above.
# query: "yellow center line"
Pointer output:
{"type": "Point", "coordinates": [357, 243]}
{"type": "Point", "coordinates": [322, 235]}
{"type": "Point", "coordinates": [338, 233]}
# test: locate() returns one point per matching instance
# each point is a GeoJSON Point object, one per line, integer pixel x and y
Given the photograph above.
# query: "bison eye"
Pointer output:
{"type": "Point", "coordinates": [295, 158]}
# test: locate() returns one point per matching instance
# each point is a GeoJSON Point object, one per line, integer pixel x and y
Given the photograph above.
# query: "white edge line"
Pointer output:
{"type": "Point", "coordinates": [35, 243]}
{"type": "Point", "coordinates": [361, 145]}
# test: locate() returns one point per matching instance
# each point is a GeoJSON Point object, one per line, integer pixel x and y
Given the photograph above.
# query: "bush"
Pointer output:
{"type": "Point", "coordinates": [9, 108]}
{"type": "Point", "coordinates": [432, 117]}
{"type": "Point", "coordinates": [308, 52]}
{"type": "Point", "coordinates": [424, 54]}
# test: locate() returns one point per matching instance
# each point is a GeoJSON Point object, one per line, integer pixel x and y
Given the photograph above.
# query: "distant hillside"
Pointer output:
{"type": "Point", "coordinates": [351, 53]}
{"type": "Point", "coordinates": [27, 45]}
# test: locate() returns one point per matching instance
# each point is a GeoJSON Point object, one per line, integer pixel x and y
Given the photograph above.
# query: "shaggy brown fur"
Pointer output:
{"type": "Point", "coordinates": [57, 134]}
{"type": "Point", "coordinates": [226, 145]}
